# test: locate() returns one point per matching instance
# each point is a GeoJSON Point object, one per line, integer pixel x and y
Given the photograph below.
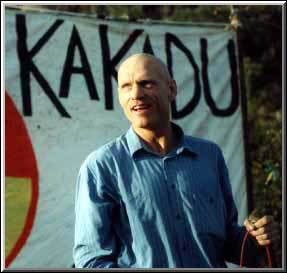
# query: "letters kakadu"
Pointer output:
{"type": "Point", "coordinates": [61, 85]}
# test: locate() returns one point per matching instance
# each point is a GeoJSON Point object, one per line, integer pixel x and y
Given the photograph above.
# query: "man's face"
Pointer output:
{"type": "Point", "coordinates": [145, 92]}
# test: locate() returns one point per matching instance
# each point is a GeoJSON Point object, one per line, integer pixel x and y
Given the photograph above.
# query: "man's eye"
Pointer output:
{"type": "Point", "coordinates": [148, 84]}
{"type": "Point", "coordinates": [126, 86]}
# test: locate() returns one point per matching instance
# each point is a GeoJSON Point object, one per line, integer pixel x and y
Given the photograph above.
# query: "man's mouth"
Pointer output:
{"type": "Point", "coordinates": [141, 108]}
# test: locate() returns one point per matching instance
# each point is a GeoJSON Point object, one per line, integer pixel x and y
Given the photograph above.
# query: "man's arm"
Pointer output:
{"type": "Point", "coordinates": [95, 240]}
{"type": "Point", "coordinates": [235, 233]}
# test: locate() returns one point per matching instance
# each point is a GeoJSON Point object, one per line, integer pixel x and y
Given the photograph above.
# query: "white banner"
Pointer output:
{"type": "Point", "coordinates": [61, 104]}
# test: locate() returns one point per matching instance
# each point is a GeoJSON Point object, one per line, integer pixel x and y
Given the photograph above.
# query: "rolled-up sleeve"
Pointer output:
{"type": "Point", "coordinates": [95, 240]}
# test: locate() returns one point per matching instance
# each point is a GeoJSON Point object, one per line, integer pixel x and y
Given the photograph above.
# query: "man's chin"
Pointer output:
{"type": "Point", "coordinates": [143, 124]}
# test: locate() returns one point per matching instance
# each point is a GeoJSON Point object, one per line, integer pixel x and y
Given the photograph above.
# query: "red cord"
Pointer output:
{"type": "Point", "coordinates": [268, 256]}
{"type": "Point", "coordinates": [242, 251]}
{"type": "Point", "coordinates": [242, 248]}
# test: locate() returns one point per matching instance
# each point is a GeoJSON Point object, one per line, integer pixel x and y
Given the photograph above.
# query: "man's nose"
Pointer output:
{"type": "Point", "coordinates": [137, 92]}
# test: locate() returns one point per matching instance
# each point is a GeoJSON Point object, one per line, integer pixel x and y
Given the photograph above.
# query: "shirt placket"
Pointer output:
{"type": "Point", "coordinates": [186, 245]}
{"type": "Point", "coordinates": [177, 215]}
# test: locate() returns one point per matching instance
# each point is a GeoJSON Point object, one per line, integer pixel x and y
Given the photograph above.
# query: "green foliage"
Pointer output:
{"type": "Point", "coordinates": [260, 40]}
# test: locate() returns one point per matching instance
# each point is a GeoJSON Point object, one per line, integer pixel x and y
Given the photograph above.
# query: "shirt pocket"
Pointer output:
{"type": "Point", "coordinates": [137, 200]}
{"type": "Point", "coordinates": [210, 215]}
{"type": "Point", "coordinates": [135, 194]}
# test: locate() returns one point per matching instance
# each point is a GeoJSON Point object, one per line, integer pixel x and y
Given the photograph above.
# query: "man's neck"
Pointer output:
{"type": "Point", "coordinates": [162, 140]}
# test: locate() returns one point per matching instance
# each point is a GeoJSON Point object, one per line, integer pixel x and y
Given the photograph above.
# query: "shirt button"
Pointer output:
{"type": "Point", "coordinates": [178, 216]}
{"type": "Point", "coordinates": [172, 186]}
{"type": "Point", "coordinates": [184, 248]}
{"type": "Point", "coordinates": [211, 200]}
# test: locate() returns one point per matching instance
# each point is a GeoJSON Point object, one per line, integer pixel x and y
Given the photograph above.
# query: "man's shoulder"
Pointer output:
{"type": "Point", "coordinates": [108, 151]}
{"type": "Point", "coordinates": [199, 141]}
{"type": "Point", "coordinates": [200, 144]}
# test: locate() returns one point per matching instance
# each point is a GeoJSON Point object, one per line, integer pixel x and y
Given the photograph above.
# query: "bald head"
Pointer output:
{"type": "Point", "coordinates": [146, 91]}
{"type": "Point", "coordinates": [132, 62]}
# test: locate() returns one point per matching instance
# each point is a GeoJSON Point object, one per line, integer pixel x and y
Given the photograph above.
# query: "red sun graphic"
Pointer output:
{"type": "Point", "coordinates": [20, 163]}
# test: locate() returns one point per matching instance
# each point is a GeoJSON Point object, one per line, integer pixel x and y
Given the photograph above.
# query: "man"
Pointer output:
{"type": "Point", "coordinates": [155, 197]}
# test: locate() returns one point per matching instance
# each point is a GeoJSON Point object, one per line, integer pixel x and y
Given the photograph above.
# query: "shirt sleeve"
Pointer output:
{"type": "Point", "coordinates": [95, 242]}
{"type": "Point", "coordinates": [234, 232]}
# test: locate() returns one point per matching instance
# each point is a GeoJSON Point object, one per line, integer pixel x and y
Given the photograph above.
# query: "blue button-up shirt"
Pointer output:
{"type": "Point", "coordinates": [136, 208]}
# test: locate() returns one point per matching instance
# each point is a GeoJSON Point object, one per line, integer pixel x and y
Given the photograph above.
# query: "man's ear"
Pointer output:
{"type": "Point", "coordinates": [173, 90]}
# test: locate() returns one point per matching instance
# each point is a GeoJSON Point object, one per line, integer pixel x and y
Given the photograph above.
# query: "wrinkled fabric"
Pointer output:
{"type": "Point", "coordinates": [136, 208]}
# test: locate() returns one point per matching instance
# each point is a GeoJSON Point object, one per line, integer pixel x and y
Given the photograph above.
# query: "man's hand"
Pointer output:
{"type": "Point", "coordinates": [266, 232]}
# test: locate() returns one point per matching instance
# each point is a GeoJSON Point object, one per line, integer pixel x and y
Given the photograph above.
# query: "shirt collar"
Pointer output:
{"type": "Point", "coordinates": [184, 145]}
{"type": "Point", "coordinates": [135, 144]}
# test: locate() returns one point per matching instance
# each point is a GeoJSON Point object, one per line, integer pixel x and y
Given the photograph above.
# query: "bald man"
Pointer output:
{"type": "Point", "coordinates": [155, 197]}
